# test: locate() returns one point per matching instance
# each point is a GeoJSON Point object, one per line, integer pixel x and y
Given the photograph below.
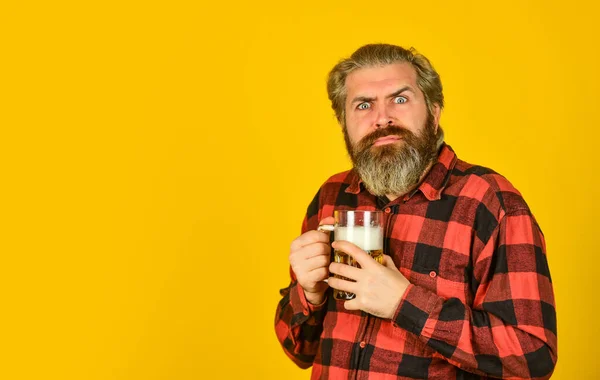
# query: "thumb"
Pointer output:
{"type": "Point", "coordinates": [352, 304]}
{"type": "Point", "coordinates": [327, 220]}
{"type": "Point", "coordinates": [388, 262]}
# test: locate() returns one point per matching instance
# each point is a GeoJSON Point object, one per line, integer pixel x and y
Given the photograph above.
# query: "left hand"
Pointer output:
{"type": "Point", "coordinates": [378, 288]}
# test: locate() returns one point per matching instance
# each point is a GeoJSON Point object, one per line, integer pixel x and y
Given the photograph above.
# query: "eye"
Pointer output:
{"type": "Point", "coordinates": [364, 106]}
{"type": "Point", "coordinates": [400, 100]}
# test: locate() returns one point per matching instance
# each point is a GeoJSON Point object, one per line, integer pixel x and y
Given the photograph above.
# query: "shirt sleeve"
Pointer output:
{"type": "Point", "coordinates": [298, 323]}
{"type": "Point", "coordinates": [510, 329]}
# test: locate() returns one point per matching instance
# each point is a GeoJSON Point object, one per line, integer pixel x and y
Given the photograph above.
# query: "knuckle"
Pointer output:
{"type": "Point", "coordinates": [299, 265]}
{"type": "Point", "coordinates": [294, 247]}
{"type": "Point", "coordinates": [293, 259]}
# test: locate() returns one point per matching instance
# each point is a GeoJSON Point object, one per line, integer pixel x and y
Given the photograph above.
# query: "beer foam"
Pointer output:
{"type": "Point", "coordinates": [367, 238]}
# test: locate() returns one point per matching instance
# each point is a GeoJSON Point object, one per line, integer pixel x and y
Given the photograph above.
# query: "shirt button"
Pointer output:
{"type": "Point", "coordinates": [363, 344]}
{"type": "Point", "coordinates": [432, 274]}
{"type": "Point", "coordinates": [387, 210]}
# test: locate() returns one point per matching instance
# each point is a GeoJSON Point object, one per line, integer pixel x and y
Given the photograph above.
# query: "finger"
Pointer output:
{"type": "Point", "coordinates": [310, 251]}
{"type": "Point", "coordinates": [317, 250]}
{"type": "Point", "coordinates": [319, 274]}
{"type": "Point", "coordinates": [327, 220]}
{"type": "Point", "coordinates": [352, 304]}
{"type": "Point", "coordinates": [388, 262]}
{"type": "Point", "coordinates": [317, 262]}
{"type": "Point", "coordinates": [363, 258]}
{"type": "Point", "coordinates": [304, 266]}
{"type": "Point", "coordinates": [308, 238]}
{"type": "Point", "coordinates": [345, 270]}
{"type": "Point", "coordinates": [340, 284]}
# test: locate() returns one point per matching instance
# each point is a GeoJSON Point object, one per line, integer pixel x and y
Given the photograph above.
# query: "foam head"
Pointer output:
{"type": "Point", "coordinates": [367, 238]}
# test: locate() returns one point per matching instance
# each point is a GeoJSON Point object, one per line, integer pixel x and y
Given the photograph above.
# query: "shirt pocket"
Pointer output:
{"type": "Point", "coordinates": [439, 270]}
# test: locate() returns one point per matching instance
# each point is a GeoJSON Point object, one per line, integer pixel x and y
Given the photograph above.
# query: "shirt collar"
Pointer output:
{"type": "Point", "coordinates": [432, 185]}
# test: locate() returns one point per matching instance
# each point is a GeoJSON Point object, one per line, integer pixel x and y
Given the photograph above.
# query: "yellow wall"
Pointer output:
{"type": "Point", "coordinates": [157, 160]}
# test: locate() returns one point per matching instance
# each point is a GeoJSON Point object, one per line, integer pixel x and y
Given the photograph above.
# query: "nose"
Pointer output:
{"type": "Point", "coordinates": [383, 118]}
{"type": "Point", "coordinates": [384, 122]}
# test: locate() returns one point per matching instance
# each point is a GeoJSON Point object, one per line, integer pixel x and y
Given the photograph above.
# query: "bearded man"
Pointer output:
{"type": "Point", "coordinates": [464, 291]}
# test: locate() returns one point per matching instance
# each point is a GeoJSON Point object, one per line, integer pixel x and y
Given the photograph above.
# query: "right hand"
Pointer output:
{"type": "Point", "coordinates": [309, 259]}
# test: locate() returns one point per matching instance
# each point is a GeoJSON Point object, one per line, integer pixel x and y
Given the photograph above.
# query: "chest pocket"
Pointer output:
{"type": "Point", "coordinates": [440, 271]}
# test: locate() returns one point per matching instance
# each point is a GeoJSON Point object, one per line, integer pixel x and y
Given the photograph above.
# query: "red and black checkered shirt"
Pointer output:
{"type": "Point", "coordinates": [480, 303]}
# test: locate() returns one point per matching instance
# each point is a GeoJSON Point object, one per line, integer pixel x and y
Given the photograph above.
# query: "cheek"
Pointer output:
{"type": "Point", "coordinates": [405, 113]}
{"type": "Point", "coordinates": [355, 134]}
{"type": "Point", "coordinates": [411, 118]}
{"type": "Point", "coordinates": [358, 126]}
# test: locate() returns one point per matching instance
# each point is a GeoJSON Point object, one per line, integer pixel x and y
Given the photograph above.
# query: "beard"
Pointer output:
{"type": "Point", "coordinates": [396, 168]}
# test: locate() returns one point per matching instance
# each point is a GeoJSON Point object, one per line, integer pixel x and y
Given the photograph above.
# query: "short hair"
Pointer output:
{"type": "Point", "coordinates": [373, 55]}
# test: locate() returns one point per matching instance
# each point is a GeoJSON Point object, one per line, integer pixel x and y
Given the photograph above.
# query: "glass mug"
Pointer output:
{"type": "Point", "coordinates": [364, 229]}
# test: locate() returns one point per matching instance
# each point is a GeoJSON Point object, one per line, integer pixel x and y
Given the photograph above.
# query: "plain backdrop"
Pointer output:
{"type": "Point", "coordinates": [157, 159]}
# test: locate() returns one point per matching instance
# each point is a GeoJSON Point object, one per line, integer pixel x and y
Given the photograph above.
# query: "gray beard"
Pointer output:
{"type": "Point", "coordinates": [392, 174]}
{"type": "Point", "coordinates": [394, 169]}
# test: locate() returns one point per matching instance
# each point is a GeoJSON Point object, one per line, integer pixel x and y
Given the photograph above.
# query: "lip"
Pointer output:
{"type": "Point", "coordinates": [386, 140]}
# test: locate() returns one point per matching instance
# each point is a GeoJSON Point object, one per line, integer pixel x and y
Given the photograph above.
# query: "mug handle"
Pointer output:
{"type": "Point", "coordinates": [326, 227]}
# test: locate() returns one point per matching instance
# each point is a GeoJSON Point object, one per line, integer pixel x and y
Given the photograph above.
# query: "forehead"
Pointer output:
{"type": "Point", "coordinates": [381, 78]}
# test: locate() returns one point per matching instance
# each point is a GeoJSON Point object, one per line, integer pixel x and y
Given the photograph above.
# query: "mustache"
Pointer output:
{"type": "Point", "coordinates": [390, 130]}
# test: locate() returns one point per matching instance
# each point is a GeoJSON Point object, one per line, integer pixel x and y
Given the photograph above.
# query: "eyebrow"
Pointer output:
{"type": "Point", "coordinates": [392, 95]}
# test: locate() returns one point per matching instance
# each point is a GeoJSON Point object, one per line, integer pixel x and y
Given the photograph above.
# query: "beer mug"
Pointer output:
{"type": "Point", "coordinates": [364, 229]}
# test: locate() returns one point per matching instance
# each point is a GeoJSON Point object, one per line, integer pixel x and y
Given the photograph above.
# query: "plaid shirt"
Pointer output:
{"type": "Point", "coordinates": [480, 303]}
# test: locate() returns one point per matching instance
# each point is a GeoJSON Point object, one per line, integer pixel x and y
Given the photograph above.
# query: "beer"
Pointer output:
{"type": "Point", "coordinates": [364, 229]}
{"type": "Point", "coordinates": [369, 239]}
{"type": "Point", "coordinates": [341, 257]}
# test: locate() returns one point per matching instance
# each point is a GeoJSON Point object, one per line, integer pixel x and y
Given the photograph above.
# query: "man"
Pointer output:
{"type": "Point", "coordinates": [465, 292]}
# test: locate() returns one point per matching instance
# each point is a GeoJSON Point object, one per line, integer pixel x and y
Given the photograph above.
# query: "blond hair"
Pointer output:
{"type": "Point", "coordinates": [372, 55]}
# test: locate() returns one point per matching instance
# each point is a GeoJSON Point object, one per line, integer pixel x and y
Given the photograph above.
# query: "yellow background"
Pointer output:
{"type": "Point", "coordinates": [158, 157]}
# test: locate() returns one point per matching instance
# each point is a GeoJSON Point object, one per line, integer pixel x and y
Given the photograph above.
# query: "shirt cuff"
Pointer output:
{"type": "Point", "coordinates": [414, 309]}
{"type": "Point", "coordinates": [300, 304]}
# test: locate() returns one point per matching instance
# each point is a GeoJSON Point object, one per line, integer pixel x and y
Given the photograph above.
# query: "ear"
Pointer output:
{"type": "Point", "coordinates": [437, 112]}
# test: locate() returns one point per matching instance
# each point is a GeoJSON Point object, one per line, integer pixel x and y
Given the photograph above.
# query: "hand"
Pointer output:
{"type": "Point", "coordinates": [378, 288]}
{"type": "Point", "coordinates": [309, 258]}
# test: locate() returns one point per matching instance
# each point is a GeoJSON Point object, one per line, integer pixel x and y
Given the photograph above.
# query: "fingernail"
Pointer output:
{"type": "Point", "coordinates": [326, 280]}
